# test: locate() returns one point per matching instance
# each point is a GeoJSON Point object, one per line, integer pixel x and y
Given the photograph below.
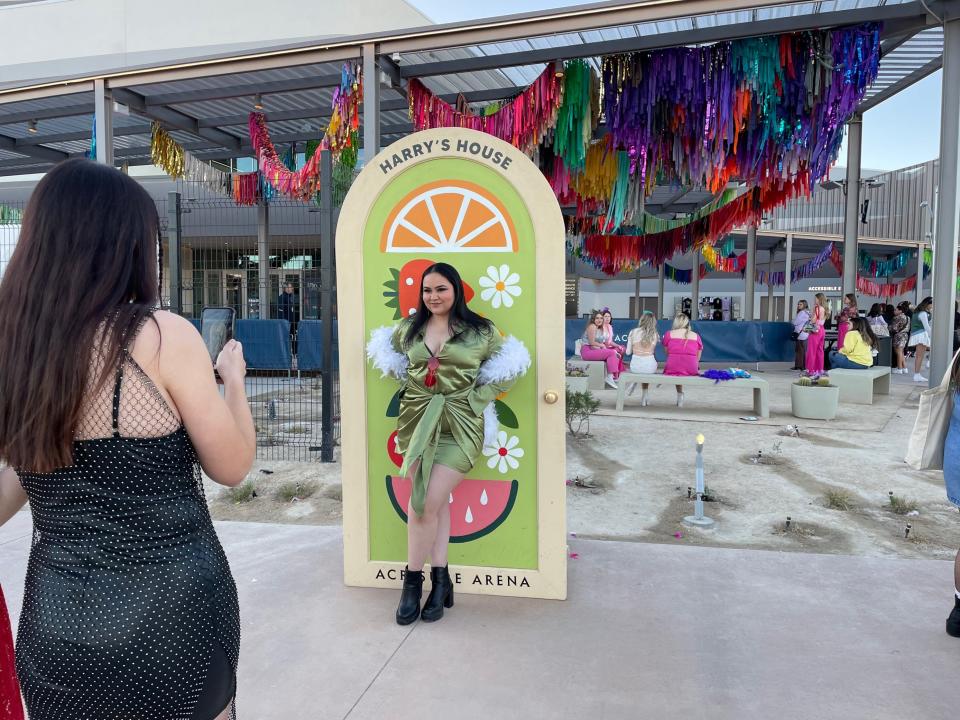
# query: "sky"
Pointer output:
{"type": "Point", "coordinates": [903, 131]}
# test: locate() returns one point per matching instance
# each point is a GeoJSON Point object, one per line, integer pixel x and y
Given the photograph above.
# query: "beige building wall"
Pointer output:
{"type": "Point", "coordinates": [55, 38]}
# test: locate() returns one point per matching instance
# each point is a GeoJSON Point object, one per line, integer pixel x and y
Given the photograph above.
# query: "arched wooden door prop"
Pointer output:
{"type": "Point", "coordinates": [471, 200]}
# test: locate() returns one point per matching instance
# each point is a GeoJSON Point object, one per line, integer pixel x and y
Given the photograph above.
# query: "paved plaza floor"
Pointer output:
{"type": "Point", "coordinates": [649, 631]}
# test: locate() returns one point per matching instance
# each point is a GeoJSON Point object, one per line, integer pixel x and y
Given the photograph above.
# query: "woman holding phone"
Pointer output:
{"type": "Point", "coordinates": [108, 411]}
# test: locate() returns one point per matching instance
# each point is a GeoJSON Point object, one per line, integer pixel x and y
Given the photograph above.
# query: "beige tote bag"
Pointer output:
{"type": "Point", "coordinates": [925, 451]}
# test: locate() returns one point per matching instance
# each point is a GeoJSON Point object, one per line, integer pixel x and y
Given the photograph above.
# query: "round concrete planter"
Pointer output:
{"type": "Point", "coordinates": [577, 384]}
{"type": "Point", "coordinates": [814, 403]}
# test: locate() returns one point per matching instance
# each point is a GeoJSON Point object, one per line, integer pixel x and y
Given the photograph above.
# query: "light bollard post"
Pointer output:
{"type": "Point", "coordinates": [698, 517]}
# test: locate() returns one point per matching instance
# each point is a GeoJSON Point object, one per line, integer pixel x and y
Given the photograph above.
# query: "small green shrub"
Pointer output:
{"type": "Point", "coordinates": [838, 500]}
{"type": "Point", "coordinates": [242, 493]}
{"type": "Point", "coordinates": [901, 505]}
{"type": "Point", "coordinates": [291, 489]}
{"type": "Point", "coordinates": [579, 407]}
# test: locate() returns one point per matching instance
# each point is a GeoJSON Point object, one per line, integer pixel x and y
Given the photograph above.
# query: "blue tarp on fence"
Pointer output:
{"type": "Point", "coordinates": [310, 345]}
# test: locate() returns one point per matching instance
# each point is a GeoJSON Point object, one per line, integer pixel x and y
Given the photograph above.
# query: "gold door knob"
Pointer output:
{"type": "Point", "coordinates": [550, 397]}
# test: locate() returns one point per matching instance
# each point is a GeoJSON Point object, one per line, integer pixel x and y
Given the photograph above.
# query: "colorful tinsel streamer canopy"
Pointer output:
{"type": "Point", "coordinates": [339, 135]}
{"type": "Point", "coordinates": [167, 153]}
{"type": "Point", "coordinates": [522, 121]}
{"type": "Point", "coordinates": [763, 110]}
{"type": "Point", "coordinates": [871, 288]}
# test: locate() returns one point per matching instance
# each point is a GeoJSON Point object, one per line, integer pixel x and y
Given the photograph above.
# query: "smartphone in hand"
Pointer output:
{"type": "Point", "coordinates": [216, 329]}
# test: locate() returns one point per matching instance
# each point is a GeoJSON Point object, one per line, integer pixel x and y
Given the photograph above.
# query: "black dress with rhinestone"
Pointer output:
{"type": "Point", "coordinates": [130, 611]}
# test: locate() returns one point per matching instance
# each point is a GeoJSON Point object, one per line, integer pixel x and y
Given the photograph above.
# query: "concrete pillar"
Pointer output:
{"type": "Point", "coordinates": [263, 256]}
{"type": "Point", "coordinates": [636, 294]}
{"type": "Point", "coordinates": [371, 102]}
{"type": "Point", "coordinates": [948, 208]}
{"type": "Point", "coordinates": [103, 127]}
{"type": "Point", "coordinates": [851, 216]}
{"type": "Point", "coordinates": [695, 286]}
{"type": "Point", "coordinates": [750, 276]}
{"type": "Point", "coordinates": [773, 251]}
{"type": "Point", "coordinates": [788, 268]}
{"type": "Point", "coordinates": [660, 280]}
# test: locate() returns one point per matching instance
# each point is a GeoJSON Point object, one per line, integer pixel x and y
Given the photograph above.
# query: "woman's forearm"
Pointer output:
{"type": "Point", "coordinates": [12, 495]}
{"type": "Point", "coordinates": [235, 395]}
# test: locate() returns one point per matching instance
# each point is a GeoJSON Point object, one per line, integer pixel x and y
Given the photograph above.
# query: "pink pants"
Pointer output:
{"type": "Point", "coordinates": [608, 355]}
{"type": "Point", "coordinates": [815, 352]}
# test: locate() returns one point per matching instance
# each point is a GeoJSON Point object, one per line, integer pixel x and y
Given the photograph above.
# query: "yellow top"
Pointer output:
{"type": "Point", "coordinates": [856, 349]}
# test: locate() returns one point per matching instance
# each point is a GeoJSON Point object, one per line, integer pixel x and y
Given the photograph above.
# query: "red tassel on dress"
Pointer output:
{"type": "Point", "coordinates": [11, 707]}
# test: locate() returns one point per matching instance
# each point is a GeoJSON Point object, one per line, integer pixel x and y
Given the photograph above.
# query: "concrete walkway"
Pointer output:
{"type": "Point", "coordinates": [649, 631]}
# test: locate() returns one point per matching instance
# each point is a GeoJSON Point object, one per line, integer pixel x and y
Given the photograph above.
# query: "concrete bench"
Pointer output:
{"type": "Point", "coordinates": [761, 399]}
{"type": "Point", "coordinates": [596, 371]}
{"type": "Point", "coordinates": [859, 386]}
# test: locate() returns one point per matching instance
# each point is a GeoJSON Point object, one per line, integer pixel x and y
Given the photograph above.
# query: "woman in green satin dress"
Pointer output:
{"type": "Point", "coordinates": [453, 364]}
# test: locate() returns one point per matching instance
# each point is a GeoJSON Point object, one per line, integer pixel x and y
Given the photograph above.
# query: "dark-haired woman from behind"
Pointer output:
{"type": "Point", "coordinates": [108, 411]}
{"type": "Point", "coordinates": [452, 364]}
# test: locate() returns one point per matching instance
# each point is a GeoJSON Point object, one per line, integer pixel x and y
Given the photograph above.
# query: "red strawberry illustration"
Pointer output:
{"type": "Point", "coordinates": [403, 289]}
{"type": "Point", "coordinates": [395, 457]}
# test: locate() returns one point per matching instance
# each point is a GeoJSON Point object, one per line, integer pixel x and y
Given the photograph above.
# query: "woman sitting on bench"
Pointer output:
{"type": "Point", "coordinates": [859, 345]}
{"type": "Point", "coordinates": [598, 345]}
{"type": "Point", "coordinates": [684, 348]}
{"type": "Point", "coordinates": [641, 342]}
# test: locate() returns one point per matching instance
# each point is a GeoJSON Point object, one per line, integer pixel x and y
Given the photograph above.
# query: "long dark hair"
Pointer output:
{"type": "Point", "coordinates": [876, 310]}
{"type": "Point", "coordinates": [87, 254]}
{"type": "Point", "coordinates": [461, 317]}
{"type": "Point", "coordinates": [924, 305]}
{"type": "Point", "coordinates": [904, 306]}
{"type": "Point", "coordinates": [866, 332]}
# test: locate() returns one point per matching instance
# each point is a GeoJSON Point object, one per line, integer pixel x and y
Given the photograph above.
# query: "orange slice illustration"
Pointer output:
{"type": "Point", "coordinates": [449, 216]}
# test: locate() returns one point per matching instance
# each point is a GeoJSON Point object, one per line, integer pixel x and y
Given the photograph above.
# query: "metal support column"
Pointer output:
{"type": "Point", "coordinates": [326, 304]}
{"type": "Point", "coordinates": [103, 127]}
{"type": "Point", "coordinates": [263, 257]}
{"type": "Point", "coordinates": [787, 270]}
{"type": "Point", "coordinates": [636, 294]}
{"type": "Point", "coordinates": [174, 235]}
{"type": "Point", "coordinates": [750, 276]}
{"type": "Point", "coordinates": [695, 286]}
{"type": "Point", "coordinates": [371, 103]}
{"type": "Point", "coordinates": [948, 208]}
{"type": "Point", "coordinates": [851, 216]}
{"type": "Point", "coordinates": [660, 280]}
{"type": "Point", "coordinates": [773, 251]}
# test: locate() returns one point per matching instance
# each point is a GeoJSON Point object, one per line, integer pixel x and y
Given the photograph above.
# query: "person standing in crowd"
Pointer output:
{"type": "Point", "coordinates": [877, 323]}
{"type": "Point", "coordinates": [453, 364]}
{"type": "Point", "coordinates": [900, 330]}
{"type": "Point", "coordinates": [288, 308]}
{"type": "Point", "coordinates": [597, 346]}
{"type": "Point", "coordinates": [815, 329]}
{"type": "Point", "coordinates": [859, 346]}
{"type": "Point", "coordinates": [684, 348]}
{"type": "Point", "coordinates": [800, 335]}
{"type": "Point", "coordinates": [608, 331]}
{"type": "Point", "coordinates": [129, 608]}
{"type": "Point", "coordinates": [641, 344]}
{"type": "Point", "coordinates": [951, 477]}
{"type": "Point", "coordinates": [848, 311]}
{"type": "Point", "coordinates": [920, 336]}
{"type": "Point", "coordinates": [888, 312]}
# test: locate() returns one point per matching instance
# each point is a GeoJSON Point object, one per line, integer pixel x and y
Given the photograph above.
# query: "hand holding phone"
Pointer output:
{"type": "Point", "coordinates": [230, 363]}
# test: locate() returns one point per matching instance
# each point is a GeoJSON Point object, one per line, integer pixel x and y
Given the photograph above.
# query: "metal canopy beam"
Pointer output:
{"type": "Point", "coordinates": [34, 151]}
{"type": "Point", "coordinates": [586, 19]}
{"type": "Point", "coordinates": [175, 119]}
{"type": "Point", "coordinates": [901, 84]}
{"type": "Point", "coordinates": [243, 90]}
{"type": "Point", "coordinates": [47, 113]}
{"type": "Point", "coordinates": [126, 130]}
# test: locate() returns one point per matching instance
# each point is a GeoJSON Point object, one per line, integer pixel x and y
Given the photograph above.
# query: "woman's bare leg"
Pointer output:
{"type": "Point", "coordinates": [423, 530]}
{"type": "Point", "coordinates": [956, 572]}
{"type": "Point", "coordinates": [438, 552]}
{"type": "Point", "coordinates": [225, 715]}
{"type": "Point", "coordinates": [918, 358]}
{"type": "Point", "coordinates": [898, 357]}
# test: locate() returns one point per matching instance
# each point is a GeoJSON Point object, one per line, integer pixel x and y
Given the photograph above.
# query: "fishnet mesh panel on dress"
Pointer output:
{"type": "Point", "coordinates": [143, 411]}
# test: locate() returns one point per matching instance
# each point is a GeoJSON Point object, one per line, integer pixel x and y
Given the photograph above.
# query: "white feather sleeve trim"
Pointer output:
{"type": "Point", "coordinates": [381, 353]}
{"type": "Point", "coordinates": [511, 361]}
{"type": "Point", "coordinates": [491, 425]}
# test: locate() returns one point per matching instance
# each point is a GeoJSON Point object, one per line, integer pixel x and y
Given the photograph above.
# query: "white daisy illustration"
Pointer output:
{"type": "Point", "coordinates": [500, 286]}
{"type": "Point", "coordinates": [504, 454]}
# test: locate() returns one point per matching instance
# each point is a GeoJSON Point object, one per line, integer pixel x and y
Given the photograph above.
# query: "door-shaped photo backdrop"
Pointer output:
{"type": "Point", "coordinates": [470, 200]}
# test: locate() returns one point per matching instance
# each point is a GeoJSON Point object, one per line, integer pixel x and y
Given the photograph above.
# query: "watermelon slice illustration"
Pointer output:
{"type": "Point", "coordinates": [477, 507]}
{"type": "Point", "coordinates": [403, 288]}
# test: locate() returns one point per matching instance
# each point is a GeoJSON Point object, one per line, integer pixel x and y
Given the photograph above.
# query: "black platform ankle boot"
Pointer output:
{"type": "Point", "coordinates": [441, 595]}
{"type": "Point", "coordinates": [953, 621]}
{"type": "Point", "coordinates": [409, 606]}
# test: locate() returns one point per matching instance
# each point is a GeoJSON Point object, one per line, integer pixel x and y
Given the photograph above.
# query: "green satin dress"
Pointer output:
{"type": "Point", "coordinates": [444, 424]}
